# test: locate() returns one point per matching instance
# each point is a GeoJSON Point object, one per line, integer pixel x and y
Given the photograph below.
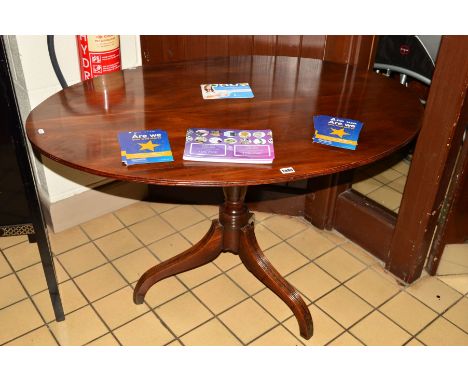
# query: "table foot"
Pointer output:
{"type": "Point", "coordinates": [256, 262]}
{"type": "Point", "coordinates": [205, 251]}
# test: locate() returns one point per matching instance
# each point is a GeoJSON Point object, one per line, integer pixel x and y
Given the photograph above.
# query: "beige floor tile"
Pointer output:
{"type": "Point", "coordinates": [454, 260]}
{"type": "Point", "coordinates": [278, 336]}
{"type": "Point", "coordinates": [22, 255]}
{"type": "Point", "coordinates": [345, 339]}
{"type": "Point", "coordinates": [183, 216]}
{"type": "Point", "coordinates": [359, 253]}
{"type": "Point", "coordinates": [387, 176]}
{"type": "Point", "coordinates": [265, 238]}
{"type": "Point", "coordinates": [8, 241]}
{"type": "Point", "coordinates": [372, 287]}
{"type": "Point", "coordinates": [5, 269]}
{"type": "Point", "coordinates": [219, 294]}
{"type": "Point", "coordinates": [285, 226]}
{"type": "Point", "coordinates": [414, 342]}
{"type": "Point", "coordinates": [246, 280]}
{"type": "Point", "coordinates": [118, 244]}
{"type": "Point", "coordinates": [325, 329]}
{"type": "Point", "coordinates": [118, 308]}
{"type": "Point", "coordinates": [458, 314]}
{"type": "Point", "coordinates": [146, 330]}
{"type": "Point", "coordinates": [170, 246]}
{"type": "Point", "coordinates": [443, 333]}
{"type": "Point", "coordinates": [402, 167]}
{"type": "Point", "coordinates": [164, 291]}
{"type": "Point", "coordinates": [366, 186]}
{"type": "Point", "coordinates": [196, 276]}
{"type": "Point", "coordinates": [334, 236]}
{"type": "Point", "coordinates": [378, 330]}
{"type": "Point", "coordinates": [71, 297]}
{"type": "Point", "coordinates": [344, 306]}
{"type": "Point", "coordinates": [79, 328]}
{"type": "Point", "coordinates": [11, 290]}
{"type": "Point", "coordinates": [312, 282]}
{"type": "Point", "coordinates": [408, 312]}
{"type": "Point", "coordinates": [183, 313]}
{"type": "Point", "coordinates": [457, 282]}
{"type": "Point", "coordinates": [134, 213]}
{"type": "Point", "coordinates": [387, 197]}
{"type": "Point", "coordinates": [82, 259]}
{"type": "Point", "coordinates": [161, 207]}
{"type": "Point", "coordinates": [210, 211]}
{"type": "Point", "coordinates": [101, 226]}
{"type": "Point", "coordinates": [398, 184]}
{"type": "Point", "coordinates": [212, 333]}
{"type": "Point", "coordinates": [196, 232]}
{"type": "Point", "coordinates": [260, 216]}
{"type": "Point", "coordinates": [433, 293]}
{"type": "Point", "coordinates": [66, 240]}
{"type": "Point", "coordinates": [38, 337]}
{"type": "Point", "coordinates": [151, 230]}
{"type": "Point", "coordinates": [247, 320]}
{"type": "Point", "coordinates": [381, 271]}
{"type": "Point", "coordinates": [100, 282]}
{"type": "Point", "coordinates": [311, 243]}
{"type": "Point", "coordinates": [133, 265]}
{"type": "Point", "coordinates": [106, 340]}
{"type": "Point", "coordinates": [227, 260]}
{"type": "Point", "coordinates": [285, 258]}
{"type": "Point", "coordinates": [34, 280]}
{"type": "Point", "coordinates": [274, 305]}
{"type": "Point", "coordinates": [340, 264]}
{"type": "Point", "coordinates": [18, 319]}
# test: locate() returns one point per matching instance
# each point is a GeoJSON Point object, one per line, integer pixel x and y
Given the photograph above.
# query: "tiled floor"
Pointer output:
{"type": "Point", "coordinates": [353, 301]}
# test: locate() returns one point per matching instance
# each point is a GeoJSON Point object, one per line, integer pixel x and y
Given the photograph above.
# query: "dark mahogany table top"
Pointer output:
{"type": "Point", "coordinates": [81, 123]}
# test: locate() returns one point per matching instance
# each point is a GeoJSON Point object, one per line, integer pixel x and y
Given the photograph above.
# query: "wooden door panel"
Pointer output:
{"type": "Point", "coordinates": [217, 46]}
{"type": "Point", "coordinates": [240, 45]}
{"type": "Point", "coordinates": [195, 47]}
{"type": "Point", "coordinates": [313, 46]}
{"type": "Point", "coordinates": [288, 46]}
{"type": "Point", "coordinates": [264, 45]}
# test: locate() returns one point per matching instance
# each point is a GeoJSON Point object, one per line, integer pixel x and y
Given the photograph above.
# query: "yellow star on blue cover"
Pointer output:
{"type": "Point", "coordinates": [339, 132]}
{"type": "Point", "coordinates": [147, 146]}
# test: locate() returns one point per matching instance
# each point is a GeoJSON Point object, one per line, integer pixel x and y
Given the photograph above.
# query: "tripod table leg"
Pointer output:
{"type": "Point", "coordinates": [256, 262]}
{"type": "Point", "coordinates": [206, 250]}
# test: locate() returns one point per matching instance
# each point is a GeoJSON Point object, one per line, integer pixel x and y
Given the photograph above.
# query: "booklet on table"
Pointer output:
{"type": "Point", "coordinates": [234, 146]}
{"type": "Point", "coordinates": [337, 132]}
{"type": "Point", "coordinates": [218, 91]}
{"type": "Point", "coordinates": [146, 146]}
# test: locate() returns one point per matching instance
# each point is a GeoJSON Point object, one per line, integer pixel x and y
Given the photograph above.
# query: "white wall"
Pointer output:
{"type": "Point", "coordinates": [35, 81]}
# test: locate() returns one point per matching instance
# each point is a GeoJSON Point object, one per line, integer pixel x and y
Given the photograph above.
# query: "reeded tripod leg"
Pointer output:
{"type": "Point", "coordinates": [206, 250]}
{"type": "Point", "coordinates": [256, 262]}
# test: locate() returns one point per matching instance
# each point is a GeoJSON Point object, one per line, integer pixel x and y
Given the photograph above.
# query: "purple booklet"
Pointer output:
{"type": "Point", "coordinates": [233, 146]}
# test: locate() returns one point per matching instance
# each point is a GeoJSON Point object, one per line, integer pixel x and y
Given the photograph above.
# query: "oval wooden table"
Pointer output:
{"type": "Point", "coordinates": [78, 127]}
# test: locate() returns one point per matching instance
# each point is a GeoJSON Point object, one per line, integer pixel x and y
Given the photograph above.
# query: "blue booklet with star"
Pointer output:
{"type": "Point", "coordinates": [146, 146]}
{"type": "Point", "coordinates": [337, 132]}
{"type": "Point", "coordinates": [218, 91]}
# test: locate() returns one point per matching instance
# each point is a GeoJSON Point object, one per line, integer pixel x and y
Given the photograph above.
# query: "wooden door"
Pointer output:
{"type": "Point", "coordinates": [437, 148]}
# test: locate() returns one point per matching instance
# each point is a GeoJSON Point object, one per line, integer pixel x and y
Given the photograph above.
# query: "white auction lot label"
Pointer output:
{"type": "Point", "coordinates": [287, 170]}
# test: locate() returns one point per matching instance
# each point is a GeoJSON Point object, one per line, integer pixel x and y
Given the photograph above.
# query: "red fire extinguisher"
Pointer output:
{"type": "Point", "coordinates": [99, 54]}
